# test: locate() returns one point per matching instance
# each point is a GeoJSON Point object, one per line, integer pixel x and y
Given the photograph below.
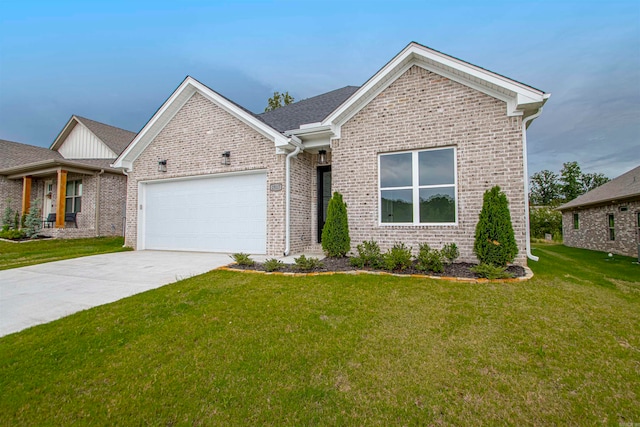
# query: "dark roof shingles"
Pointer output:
{"type": "Point", "coordinates": [625, 186]}
{"type": "Point", "coordinates": [16, 154]}
{"type": "Point", "coordinates": [310, 110]}
{"type": "Point", "coordinates": [117, 139]}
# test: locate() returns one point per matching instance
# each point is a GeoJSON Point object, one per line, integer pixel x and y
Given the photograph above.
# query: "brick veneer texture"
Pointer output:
{"type": "Point", "coordinates": [593, 229]}
{"type": "Point", "coordinates": [424, 110]}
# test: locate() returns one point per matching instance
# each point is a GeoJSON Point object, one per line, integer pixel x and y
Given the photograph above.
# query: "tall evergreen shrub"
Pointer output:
{"type": "Point", "coordinates": [335, 233]}
{"type": "Point", "coordinates": [495, 242]}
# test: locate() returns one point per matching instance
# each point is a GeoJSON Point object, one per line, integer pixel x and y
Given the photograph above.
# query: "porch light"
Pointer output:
{"type": "Point", "coordinates": [162, 166]}
{"type": "Point", "coordinates": [226, 158]}
{"type": "Point", "coordinates": [322, 157]}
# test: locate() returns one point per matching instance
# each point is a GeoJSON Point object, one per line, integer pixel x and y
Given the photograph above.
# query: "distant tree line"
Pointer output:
{"type": "Point", "coordinates": [550, 189]}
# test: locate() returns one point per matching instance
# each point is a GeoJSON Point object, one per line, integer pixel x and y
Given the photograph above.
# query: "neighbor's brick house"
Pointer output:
{"type": "Point", "coordinates": [73, 176]}
{"type": "Point", "coordinates": [412, 151]}
{"type": "Point", "coordinates": [606, 218]}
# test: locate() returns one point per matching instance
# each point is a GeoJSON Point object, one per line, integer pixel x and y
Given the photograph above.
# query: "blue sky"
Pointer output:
{"type": "Point", "coordinates": [117, 61]}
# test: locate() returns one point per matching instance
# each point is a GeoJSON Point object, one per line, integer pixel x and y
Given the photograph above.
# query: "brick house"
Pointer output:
{"type": "Point", "coordinates": [606, 218]}
{"type": "Point", "coordinates": [72, 179]}
{"type": "Point", "coordinates": [412, 152]}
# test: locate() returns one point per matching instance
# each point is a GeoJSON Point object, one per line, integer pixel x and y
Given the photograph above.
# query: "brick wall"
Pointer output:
{"type": "Point", "coordinates": [593, 230]}
{"type": "Point", "coordinates": [424, 110]}
{"type": "Point", "coordinates": [10, 195]}
{"type": "Point", "coordinates": [192, 143]}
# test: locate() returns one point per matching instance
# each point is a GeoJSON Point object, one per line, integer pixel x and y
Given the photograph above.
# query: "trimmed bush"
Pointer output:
{"type": "Point", "coordinates": [430, 259]}
{"type": "Point", "coordinates": [368, 255]}
{"type": "Point", "coordinates": [272, 264]}
{"type": "Point", "coordinates": [33, 220]}
{"type": "Point", "coordinates": [335, 233]}
{"type": "Point", "coordinates": [307, 264]}
{"type": "Point", "coordinates": [495, 242]}
{"type": "Point", "coordinates": [12, 234]}
{"type": "Point", "coordinates": [397, 258]}
{"type": "Point", "coordinates": [450, 252]}
{"type": "Point", "coordinates": [242, 259]}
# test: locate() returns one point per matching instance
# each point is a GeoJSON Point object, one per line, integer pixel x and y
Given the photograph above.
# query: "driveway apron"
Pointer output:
{"type": "Point", "coordinates": [41, 293]}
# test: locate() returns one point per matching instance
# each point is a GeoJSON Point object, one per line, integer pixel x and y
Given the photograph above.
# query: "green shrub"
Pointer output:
{"type": "Point", "coordinates": [33, 220]}
{"type": "Point", "coordinates": [335, 233]}
{"type": "Point", "coordinates": [242, 259]}
{"type": "Point", "coordinates": [430, 259]}
{"type": "Point", "coordinates": [545, 220]}
{"type": "Point", "coordinates": [397, 258]}
{"type": "Point", "coordinates": [450, 252]}
{"type": "Point", "coordinates": [7, 218]}
{"type": "Point", "coordinates": [12, 234]}
{"type": "Point", "coordinates": [306, 264]}
{"type": "Point", "coordinates": [495, 242]}
{"type": "Point", "coordinates": [491, 271]}
{"type": "Point", "coordinates": [368, 255]}
{"type": "Point", "coordinates": [272, 264]}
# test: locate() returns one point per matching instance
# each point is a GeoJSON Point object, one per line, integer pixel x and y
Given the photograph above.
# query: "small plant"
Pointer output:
{"type": "Point", "coordinates": [368, 255]}
{"type": "Point", "coordinates": [335, 233]}
{"type": "Point", "coordinates": [430, 259]}
{"type": "Point", "coordinates": [32, 220]}
{"type": "Point", "coordinates": [272, 264]}
{"type": "Point", "coordinates": [491, 271]}
{"type": "Point", "coordinates": [450, 252]}
{"type": "Point", "coordinates": [397, 258]}
{"type": "Point", "coordinates": [307, 264]}
{"type": "Point", "coordinates": [12, 234]}
{"type": "Point", "coordinates": [7, 218]}
{"type": "Point", "coordinates": [242, 259]}
{"type": "Point", "coordinates": [495, 242]}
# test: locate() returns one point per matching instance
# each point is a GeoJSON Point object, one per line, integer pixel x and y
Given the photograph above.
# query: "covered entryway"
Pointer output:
{"type": "Point", "coordinates": [214, 213]}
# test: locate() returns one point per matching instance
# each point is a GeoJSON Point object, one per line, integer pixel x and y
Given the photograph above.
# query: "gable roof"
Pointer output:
{"type": "Point", "coordinates": [113, 137]}
{"type": "Point", "coordinates": [176, 101]}
{"type": "Point", "coordinates": [520, 99]}
{"type": "Point", "coordinates": [624, 187]}
{"type": "Point", "coordinates": [17, 154]}
{"type": "Point", "coordinates": [310, 110]}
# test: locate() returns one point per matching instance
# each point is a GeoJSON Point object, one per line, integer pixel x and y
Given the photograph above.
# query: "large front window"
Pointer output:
{"type": "Point", "coordinates": [418, 187]}
{"type": "Point", "coordinates": [74, 196]}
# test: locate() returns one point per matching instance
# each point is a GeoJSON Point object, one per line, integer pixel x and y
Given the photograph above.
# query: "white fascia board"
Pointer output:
{"type": "Point", "coordinates": [73, 121]}
{"type": "Point", "coordinates": [308, 130]}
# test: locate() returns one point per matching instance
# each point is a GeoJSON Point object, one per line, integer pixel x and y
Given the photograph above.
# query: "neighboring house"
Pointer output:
{"type": "Point", "coordinates": [412, 151]}
{"type": "Point", "coordinates": [606, 218]}
{"type": "Point", "coordinates": [73, 177]}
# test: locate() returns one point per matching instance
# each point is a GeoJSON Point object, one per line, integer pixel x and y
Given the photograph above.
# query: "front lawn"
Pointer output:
{"type": "Point", "coordinates": [13, 255]}
{"type": "Point", "coordinates": [227, 348]}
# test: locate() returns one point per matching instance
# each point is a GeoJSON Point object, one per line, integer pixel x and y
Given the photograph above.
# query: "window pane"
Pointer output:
{"type": "Point", "coordinates": [78, 204]}
{"type": "Point", "coordinates": [436, 167]}
{"type": "Point", "coordinates": [611, 221]}
{"type": "Point", "coordinates": [397, 206]}
{"type": "Point", "coordinates": [576, 221]}
{"type": "Point", "coordinates": [71, 188]}
{"type": "Point", "coordinates": [68, 205]}
{"type": "Point", "coordinates": [78, 188]}
{"type": "Point", "coordinates": [395, 170]}
{"type": "Point", "coordinates": [437, 205]}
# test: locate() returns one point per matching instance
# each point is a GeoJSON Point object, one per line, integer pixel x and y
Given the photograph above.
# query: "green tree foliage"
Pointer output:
{"type": "Point", "coordinates": [8, 217]}
{"type": "Point", "coordinates": [545, 189]}
{"type": "Point", "coordinates": [278, 100]}
{"type": "Point", "coordinates": [543, 220]}
{"type": "Point", "coordinates": [593, 180]}
{"type": "Point", "coordinates": [571, 181]}
{"type": "Point", "coordinates": [33, 220]}
{"type": "Point", "coordinates": [495, 241]}
{"type": "Point", "coordinates": [335, 234]}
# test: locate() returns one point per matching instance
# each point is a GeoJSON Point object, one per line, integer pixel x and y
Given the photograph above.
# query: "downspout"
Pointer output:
{"type": "Point", "coordinates": [98, 175]}
{"type": "Point", "coordinates": [526, 184]}
{"type": "Point", "coordinates": [124, 219]}
{"type": "Point", "coordinates": [287, 220]}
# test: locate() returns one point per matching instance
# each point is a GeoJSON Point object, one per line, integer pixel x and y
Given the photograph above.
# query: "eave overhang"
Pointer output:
{"type": "Point", "coordinates": [48, 167]}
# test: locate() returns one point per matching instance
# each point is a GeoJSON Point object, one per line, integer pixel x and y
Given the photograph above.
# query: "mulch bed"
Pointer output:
{"type": "Point", "coordinates": [458, 269]}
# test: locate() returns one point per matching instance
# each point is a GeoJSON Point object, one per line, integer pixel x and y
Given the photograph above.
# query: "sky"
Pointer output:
{"type": "Point", "coordinates": [117, 61]}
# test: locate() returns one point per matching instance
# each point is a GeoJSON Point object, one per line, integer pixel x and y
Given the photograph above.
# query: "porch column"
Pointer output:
{"type": "Point", "coordinates": [26, 194]}
{"type": "Point", "coordinates": [62, 198]}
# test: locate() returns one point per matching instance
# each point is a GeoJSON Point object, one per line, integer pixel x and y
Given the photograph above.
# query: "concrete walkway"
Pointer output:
{"type": "Point", "coordinates": [41, 293]}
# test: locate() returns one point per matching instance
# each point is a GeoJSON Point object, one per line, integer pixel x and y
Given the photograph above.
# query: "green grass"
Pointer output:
{"type": "Point", "coordinates": [13, 255]}
{"type": "Point", "coordinates": [227, 348]}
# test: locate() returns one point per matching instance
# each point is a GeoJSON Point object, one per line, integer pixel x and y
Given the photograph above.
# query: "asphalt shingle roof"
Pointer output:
{"type": "Point", "coordinates": [116, 139]}
{"type": "Point", "coordinates": [16, 154]}
{"type": "Point", "coordinates": [310, 110]}
{"type": "Point", "coordinates": [623, 187]}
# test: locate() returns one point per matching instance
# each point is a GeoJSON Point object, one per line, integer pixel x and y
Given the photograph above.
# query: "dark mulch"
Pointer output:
{"type": "Point", "coordinates": [458, 269]}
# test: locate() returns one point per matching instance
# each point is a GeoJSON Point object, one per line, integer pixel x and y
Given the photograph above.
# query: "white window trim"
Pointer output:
{"type": "Point", "coordinates": [415, 178]}
{"type": "Point", "coordinates": [75, 196]}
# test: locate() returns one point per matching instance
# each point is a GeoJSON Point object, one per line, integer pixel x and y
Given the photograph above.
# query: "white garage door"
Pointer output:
{"type": "Point", "coordinates": [212, 214]}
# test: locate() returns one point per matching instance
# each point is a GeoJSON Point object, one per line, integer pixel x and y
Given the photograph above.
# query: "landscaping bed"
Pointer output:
{"type": "Point", "coordinates": [458, 269]}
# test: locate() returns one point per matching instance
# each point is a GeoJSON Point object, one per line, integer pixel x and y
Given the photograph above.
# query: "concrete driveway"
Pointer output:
{"type": "Point", "coordinates": [41, 293]}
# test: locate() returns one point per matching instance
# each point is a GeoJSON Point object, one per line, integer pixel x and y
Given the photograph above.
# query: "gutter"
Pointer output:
{"type": "Point", "coordinates": [287, 220]}
{"type": "Point", "coordinates": [526, 184]}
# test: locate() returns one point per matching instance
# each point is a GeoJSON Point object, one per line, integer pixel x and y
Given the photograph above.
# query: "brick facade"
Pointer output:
{"type": "Point", "coordinates": [593, 228]}
{"type": "Point", "coordinates": [424, 110]}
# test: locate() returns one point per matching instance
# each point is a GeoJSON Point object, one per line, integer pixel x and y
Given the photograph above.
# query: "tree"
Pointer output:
{"type": "Point", "coordinates": [571, 181]}
{"type": "Point", "coordinates": [593, 180]}
{"type": "Point", "coordinates": [545, 189]}
{"type": "Point", "coordinates": [278, 100]}
{"type": "Point", "coordinates": [495, 241]}
{"type": "Point", "coordinates": [335, 234]}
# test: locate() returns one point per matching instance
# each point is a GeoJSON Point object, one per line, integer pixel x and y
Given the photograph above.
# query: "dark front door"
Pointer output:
{"type": "Point", "coordinates": [324, 195]}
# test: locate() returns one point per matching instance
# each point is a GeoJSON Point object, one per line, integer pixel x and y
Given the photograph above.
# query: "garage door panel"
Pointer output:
{"type": "Point", "coordinates": [218, 214]}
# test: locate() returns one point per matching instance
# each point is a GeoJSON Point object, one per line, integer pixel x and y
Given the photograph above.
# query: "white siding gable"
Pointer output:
{"type": "Point", "coordinates": [83, 144]}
